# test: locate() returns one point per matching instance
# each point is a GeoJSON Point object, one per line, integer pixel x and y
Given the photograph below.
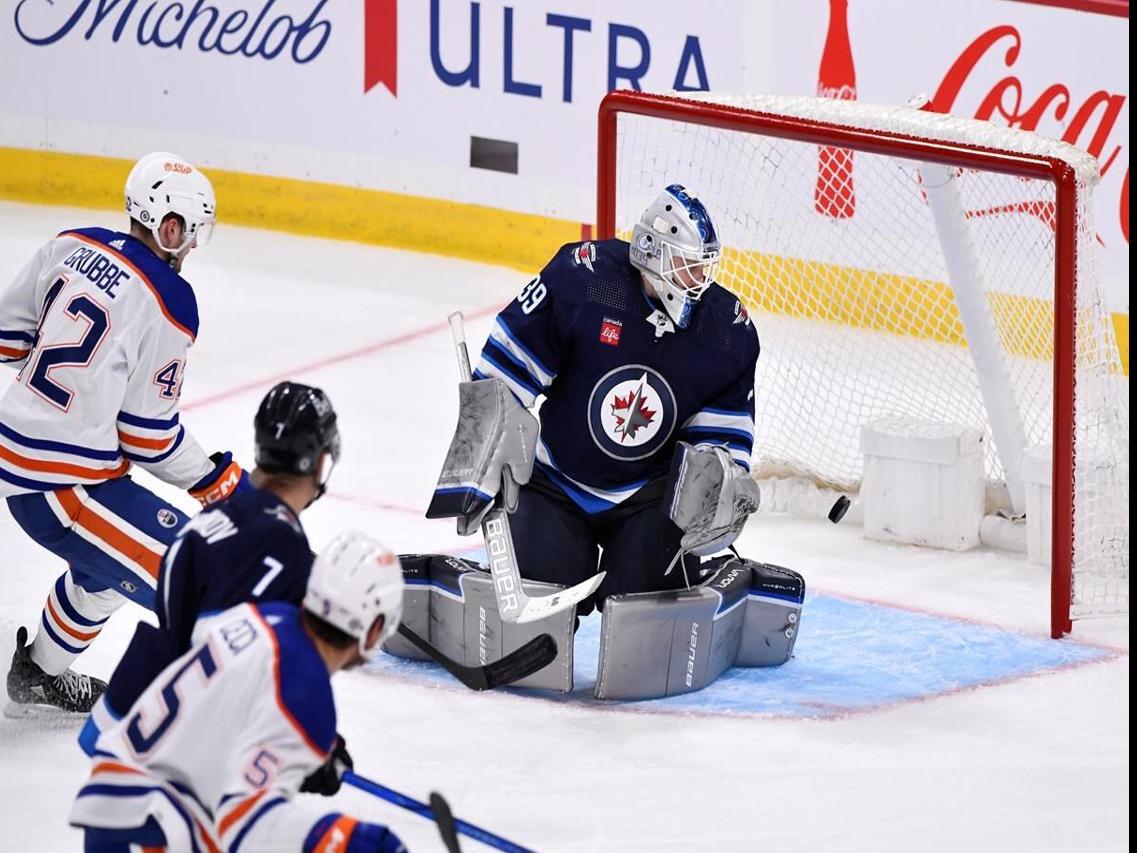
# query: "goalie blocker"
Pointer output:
{"type": "Point", "coordinates": [654, 644]}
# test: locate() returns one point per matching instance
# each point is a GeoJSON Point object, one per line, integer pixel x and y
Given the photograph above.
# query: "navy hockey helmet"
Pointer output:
{"type": "Point", "coordinates": [294, 427]}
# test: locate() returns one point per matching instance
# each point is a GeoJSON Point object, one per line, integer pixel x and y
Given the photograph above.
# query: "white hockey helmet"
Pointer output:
{"type": "Point", "coordinates": [163, 183]}
{"type": "Point", "coordinates": [675, 245]}
{"type": "Point", "coordinates": [353, 582]}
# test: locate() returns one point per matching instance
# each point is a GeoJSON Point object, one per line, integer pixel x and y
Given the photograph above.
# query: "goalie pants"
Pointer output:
{"type": "Point", "coordinates": [558, 542]}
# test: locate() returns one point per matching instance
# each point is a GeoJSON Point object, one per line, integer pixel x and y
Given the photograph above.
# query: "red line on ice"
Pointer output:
{"type": "Point", "coordinates": [362, 352]}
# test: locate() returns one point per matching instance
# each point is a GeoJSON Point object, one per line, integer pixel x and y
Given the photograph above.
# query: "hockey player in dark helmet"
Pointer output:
{"type": "Point", "coordinates": [296, 437]}
{"type": "Point", "coordinates": [250, 547]}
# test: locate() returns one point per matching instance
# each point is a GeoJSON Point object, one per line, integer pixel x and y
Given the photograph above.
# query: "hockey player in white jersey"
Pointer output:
{"type": "Point", "coordinates": [98, 323]}
{"type": "Point", "coordinates": [211, 755]}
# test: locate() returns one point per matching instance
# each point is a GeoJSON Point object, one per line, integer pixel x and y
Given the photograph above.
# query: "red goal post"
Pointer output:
{"type": "Point", "coordinates": [713, 144]}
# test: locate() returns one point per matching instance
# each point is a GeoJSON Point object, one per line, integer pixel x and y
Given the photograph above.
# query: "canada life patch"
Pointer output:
{"type": "Point", "coordinates": [610, 332]}
{"type": "Point", "coordinates": [631, 412]}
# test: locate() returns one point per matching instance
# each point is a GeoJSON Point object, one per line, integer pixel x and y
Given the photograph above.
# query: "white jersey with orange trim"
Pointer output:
{"type": "Point", "coordinates": [98, 327]}
{"type": "Point", "coordinates": [217, 746]}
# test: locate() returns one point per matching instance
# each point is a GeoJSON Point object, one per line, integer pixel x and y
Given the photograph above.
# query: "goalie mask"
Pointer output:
{"type": "Point", "coordinates": [161, 184]}
{"type": "Point", "coordinates": [675, 245]}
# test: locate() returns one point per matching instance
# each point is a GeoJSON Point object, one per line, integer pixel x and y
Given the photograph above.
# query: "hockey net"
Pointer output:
{"type": "Point", "coordinates": [901, 262]}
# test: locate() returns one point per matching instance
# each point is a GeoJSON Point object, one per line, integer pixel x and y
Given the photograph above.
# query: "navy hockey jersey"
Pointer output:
{"type": "Point", "coordinates": [249, 547]}
{"type": "Point", "coordinates": [621, 385]}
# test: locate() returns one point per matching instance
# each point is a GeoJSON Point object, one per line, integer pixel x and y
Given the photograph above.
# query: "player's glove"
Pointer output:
{"type": "Point", "coordinates": [339, 832]}
{"type": "Point", "coordinates": [225, 479]}
{"type": "Point", "coordinates": [328, 778]}
{"type": "Point", "coordinates": [710, 498]}
{"type": "Point", "coordinates": [492, 453]}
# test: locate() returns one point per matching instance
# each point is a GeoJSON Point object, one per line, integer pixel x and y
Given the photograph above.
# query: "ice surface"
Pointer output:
{"type": "Point", "coordinates": [925, 708]}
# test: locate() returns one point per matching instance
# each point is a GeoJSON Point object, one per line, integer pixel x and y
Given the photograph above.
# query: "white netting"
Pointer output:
{"type": "Point", "coordinates": [838, 256]}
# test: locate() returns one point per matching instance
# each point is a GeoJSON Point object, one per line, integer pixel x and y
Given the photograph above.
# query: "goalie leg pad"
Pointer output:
{"type": "Point", "coordinates": [451, 603]}
{"type": "Point", "coordinates": [773, 615]}
{"type": "Point", "coordinates": [660, 644]}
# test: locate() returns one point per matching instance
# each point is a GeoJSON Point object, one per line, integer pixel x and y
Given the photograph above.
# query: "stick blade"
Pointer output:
{"type": "Point", "coordinates": [535, 655]}
{"type": "Point", "coordinates": [541, 607]}
{"type": "Point", "coordinates": [444, 818]}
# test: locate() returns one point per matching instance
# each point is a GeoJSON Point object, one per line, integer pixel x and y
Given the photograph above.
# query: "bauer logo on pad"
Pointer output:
{"type": "Point", "coordinates": [610, 332]}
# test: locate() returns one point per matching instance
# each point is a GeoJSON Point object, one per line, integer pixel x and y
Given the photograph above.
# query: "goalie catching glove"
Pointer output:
{"type": "Point", "coordinates": [491, 453]}
{"type": "Point", "coordinates": [709, 498]}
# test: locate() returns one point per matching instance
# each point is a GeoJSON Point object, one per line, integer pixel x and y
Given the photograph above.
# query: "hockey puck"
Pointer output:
{"type": "Point", "coordinates": [839, 508]}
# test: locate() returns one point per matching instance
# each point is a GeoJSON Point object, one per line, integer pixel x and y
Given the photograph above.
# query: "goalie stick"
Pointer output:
{"type": "Point", "coordinates": [512, 603]}
{"type": "Point", "coordinates": [534, 655]}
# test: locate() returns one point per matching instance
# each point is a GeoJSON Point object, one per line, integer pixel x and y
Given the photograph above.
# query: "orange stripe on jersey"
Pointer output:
{"type": "Point", "coordinates": [148, 443]}
{"type": "Point", "coordinates": [59, 623]}
{"type": "Point", "coordinates": [64, 467]}
{"type": "Point", "coordinates": [13, 352]}
{"type": "Point", "coordinates": [205, 836]}
{"type": "Point", "coordinates": [103, 529]}
{"type": "Point", "coordinates": [239, 811]}
{"type": "Point", "coordinates": [337, 836]}
{"type": "Point", "coordinates": [279, 697]}
{"type": "Point", "coordinates": [114, 767]}
{"type": "Point", "coordinates": [141, 275]}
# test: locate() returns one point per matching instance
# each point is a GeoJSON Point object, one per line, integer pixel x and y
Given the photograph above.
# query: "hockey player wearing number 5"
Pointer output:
{"type": "Point", "coordinates": [99, 324]}
{"type": "Point", "coordinates": [646, 430]}
{"type": "Point", "coordinates": [213, 753]}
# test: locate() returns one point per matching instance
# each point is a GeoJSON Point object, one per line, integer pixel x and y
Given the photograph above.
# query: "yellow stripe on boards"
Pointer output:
{"type": "Point", "coordinates": [518, 240]}
{"type": "Point", "coordinates": [894, 304]}
{"type": "Point", "coordinates": [793, 287]}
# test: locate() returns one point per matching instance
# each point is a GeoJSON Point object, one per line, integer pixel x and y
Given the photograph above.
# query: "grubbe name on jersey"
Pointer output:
{"type": "Point", "coordinates": [621, 385]}
{"type": "Point", "coordinates": [98, 327]}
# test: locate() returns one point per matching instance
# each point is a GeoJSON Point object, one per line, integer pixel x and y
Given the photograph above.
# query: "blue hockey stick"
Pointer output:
{"type": "Point", "coordinates": [411, 804]}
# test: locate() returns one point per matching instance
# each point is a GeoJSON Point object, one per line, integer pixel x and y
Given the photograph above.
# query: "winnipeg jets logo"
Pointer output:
{"type": "Point", "coordinates": [585, 254]}
{"type": "Point", "coordinates": [282, 513]}
{"type": "Point", "coordinates": [740, 315]}
{"type": "Point", "coordinates": [631, 412]}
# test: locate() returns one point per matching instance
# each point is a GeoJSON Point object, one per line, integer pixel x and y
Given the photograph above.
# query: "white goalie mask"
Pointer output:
{"type": "Point", "coordinates": [163, 183]}
{"type": "Point", "coordinates": [675, 245]}
{"type": "Point", "coordinates": [353, 582]}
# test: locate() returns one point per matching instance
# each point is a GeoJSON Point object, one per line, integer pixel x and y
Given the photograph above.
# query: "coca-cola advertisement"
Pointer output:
{"type": "Point", "coordinates": [835, 195]}
{"type": "Point", "coordinates": [1059, 69]}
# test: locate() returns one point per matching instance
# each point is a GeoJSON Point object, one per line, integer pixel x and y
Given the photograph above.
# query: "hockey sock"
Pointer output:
{"type": "Point", "coordinates": [72, 618]}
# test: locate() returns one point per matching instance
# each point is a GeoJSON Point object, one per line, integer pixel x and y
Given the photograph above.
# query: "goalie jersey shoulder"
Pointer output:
{"type": "Point", "coordinates": [594, 268]}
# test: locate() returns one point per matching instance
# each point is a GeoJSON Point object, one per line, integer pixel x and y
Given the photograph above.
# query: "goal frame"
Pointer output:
{"type": "Point", "coordinates": [1054, 170]}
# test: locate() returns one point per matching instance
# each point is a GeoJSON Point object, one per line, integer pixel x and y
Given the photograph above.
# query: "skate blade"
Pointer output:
{"type": "Point", "coordinates": [30, 710]}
